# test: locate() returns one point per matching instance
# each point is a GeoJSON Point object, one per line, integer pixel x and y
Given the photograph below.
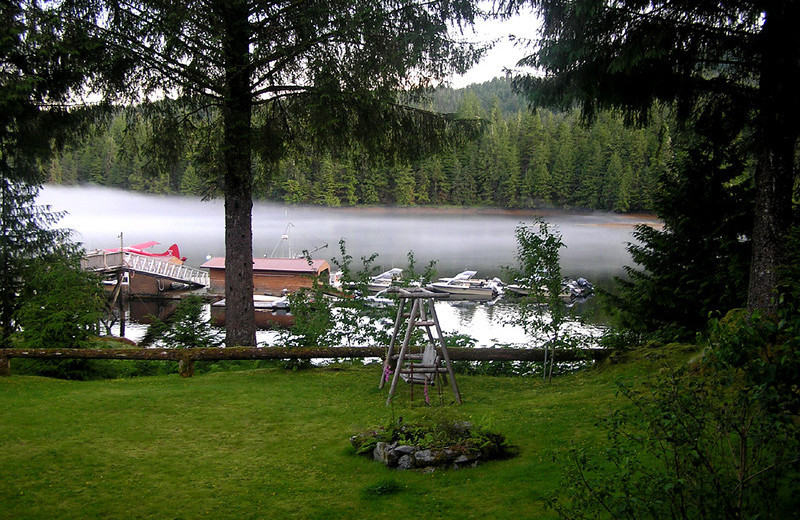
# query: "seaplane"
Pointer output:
{"type": "Point", "coordinates": [171, 254]}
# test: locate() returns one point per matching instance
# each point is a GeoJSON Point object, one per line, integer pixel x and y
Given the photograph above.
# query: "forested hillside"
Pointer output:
{"type": "Point", "coordinates": [522, 159]}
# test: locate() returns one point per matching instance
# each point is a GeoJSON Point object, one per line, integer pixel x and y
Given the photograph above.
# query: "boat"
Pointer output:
{"type": "Point", "coordinates": [380, 299]}
{"type": "Point", "coordinates": [518, 289]}
{"type": "Point", "coordinates": [571, 290]}
{"type": "Point", "coordinates": [375, 284]}
{"type": "Point", "coordinates": [384, 280]}
{"type": "Point", "coordinates": [579, 289]}
{"type": "Point", "coordinates": [465, 286]}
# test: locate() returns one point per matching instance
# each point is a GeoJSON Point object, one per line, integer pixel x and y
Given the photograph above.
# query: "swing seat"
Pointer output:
{"type": "Point", "coordinates": [425, 371]}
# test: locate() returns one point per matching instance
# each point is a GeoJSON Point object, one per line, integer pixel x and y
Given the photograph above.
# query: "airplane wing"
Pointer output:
{"type": "Point", "coordinates": [144, 245]}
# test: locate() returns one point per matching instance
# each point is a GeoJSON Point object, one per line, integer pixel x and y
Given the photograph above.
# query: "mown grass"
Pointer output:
{"type": "Point", "coordinates": [271, 443]}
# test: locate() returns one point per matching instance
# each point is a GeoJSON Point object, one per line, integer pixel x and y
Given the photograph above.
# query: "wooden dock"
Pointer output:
{"type": "Point", "coordinates": [125, 262]}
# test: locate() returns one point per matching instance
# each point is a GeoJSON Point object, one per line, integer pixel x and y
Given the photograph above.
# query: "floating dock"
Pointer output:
{"type": "Point", "coordinates": [146, 274]}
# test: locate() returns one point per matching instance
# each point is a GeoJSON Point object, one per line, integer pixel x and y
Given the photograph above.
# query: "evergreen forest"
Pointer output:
{"type": "Point", "coordinates": [521, 159]}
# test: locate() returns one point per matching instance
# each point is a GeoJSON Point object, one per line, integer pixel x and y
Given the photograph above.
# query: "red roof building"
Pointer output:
{"type": "Point", "coordinates": [272, 275]}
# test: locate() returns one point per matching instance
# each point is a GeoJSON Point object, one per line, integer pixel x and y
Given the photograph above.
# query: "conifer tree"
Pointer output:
{"type": "Point", "coordinates": [562, 168]}
{"type": "Point", "coordinates": [737, 57]}
{"type": "Point", "coordinates": [686, 271]}
{"type": "Point", "coordinates": [27, 234]}
{"type": "Point", "coordinates": [422, 185]}
{"type": "Point", "coordinates": [43, 66]}
{"type": "Point", "coordinates": [279, 74]}
{"type": "Point", "coordinates": [404, 188]}
{"type": "Point", "coordinates": [439, 187]}
{"type": "Point", "coordinates": [593, 173]}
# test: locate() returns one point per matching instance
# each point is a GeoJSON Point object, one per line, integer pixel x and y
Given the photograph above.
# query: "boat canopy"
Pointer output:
{"type": "Point", "coordinates": [464, 275]}
{"type": "Point", "coordinates": [391, 274]}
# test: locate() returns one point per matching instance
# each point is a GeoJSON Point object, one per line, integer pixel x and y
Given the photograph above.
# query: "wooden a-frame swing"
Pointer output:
{"type": "Point", "coordinates": [425, 366]}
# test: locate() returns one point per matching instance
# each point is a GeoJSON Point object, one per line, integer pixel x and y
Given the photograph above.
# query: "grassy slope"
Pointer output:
{"type": "Point", "coordinates": [274, 444]}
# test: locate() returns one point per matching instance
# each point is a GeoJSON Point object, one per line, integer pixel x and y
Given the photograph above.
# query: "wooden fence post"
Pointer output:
{"type": "Point", "coordinates": [5, 366]}
{"type": "Point", "coordinates": [186, 366]}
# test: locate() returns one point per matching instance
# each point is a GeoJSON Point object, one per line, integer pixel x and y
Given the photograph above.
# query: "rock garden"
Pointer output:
{"type": "Point", "coordinates": [432, 445]}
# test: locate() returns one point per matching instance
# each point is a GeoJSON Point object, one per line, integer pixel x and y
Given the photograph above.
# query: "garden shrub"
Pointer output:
{"type": "Point", "coordinates": [719, 438]}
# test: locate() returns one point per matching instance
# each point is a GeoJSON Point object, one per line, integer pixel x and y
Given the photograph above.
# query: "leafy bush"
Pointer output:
{"type": "Point", "coordinates": [62, 305]}
{"type": "Point", "coordinates": [321, 321]}
{"type": "Point", "coordinates": [620, 340]}
{"type": "Point", "coordinates": [718, 439]}
{"type": "Point", "coordinates": [187, 327]}
{"type": "Point", "coordinates": [313, 319]}
{"type": "Point", "coordinates": [542, 312]}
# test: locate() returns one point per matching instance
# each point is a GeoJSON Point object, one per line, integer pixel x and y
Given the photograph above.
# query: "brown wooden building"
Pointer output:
{"type": "Point", "coordinates": [272, 275]}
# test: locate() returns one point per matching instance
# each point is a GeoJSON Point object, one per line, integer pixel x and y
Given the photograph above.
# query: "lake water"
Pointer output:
{"type": "Point", "coordinates": [458, 239]}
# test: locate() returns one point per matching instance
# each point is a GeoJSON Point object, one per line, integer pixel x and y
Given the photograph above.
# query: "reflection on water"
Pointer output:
{"type": "Point", "coordinates": [488, 325]}
{"type": "Point", "coordinates": [493, 325]}
{"type": "Point", "coordinates": [457, 239]}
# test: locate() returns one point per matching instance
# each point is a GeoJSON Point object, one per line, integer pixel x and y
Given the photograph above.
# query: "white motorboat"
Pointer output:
{"type": "Point", "coordinates": [384, 280]}
{"type": "Point", "coordinates": [465, 286]}
{"type": "Point", "coordinates": [375, 284]}
{"type": "Point", "coordinates": [571, 290]}
{"type": "Point", "coordinates": [519, 289]}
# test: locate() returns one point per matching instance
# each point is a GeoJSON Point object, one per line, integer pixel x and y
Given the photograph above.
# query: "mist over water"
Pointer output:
{"type": "Point", "coordinates": [456, 238]}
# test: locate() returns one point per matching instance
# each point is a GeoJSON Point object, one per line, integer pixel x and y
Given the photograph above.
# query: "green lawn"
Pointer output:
{"type": "Point", "coordinates": [274, 444]}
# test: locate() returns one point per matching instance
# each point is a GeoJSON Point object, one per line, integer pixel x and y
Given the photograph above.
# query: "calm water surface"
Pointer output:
{"type": "Point", "coordinates": [457, 239]}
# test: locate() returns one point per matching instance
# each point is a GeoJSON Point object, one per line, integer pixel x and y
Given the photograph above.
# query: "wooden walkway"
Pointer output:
{"type": "Point", "coordinates": [113, 263]}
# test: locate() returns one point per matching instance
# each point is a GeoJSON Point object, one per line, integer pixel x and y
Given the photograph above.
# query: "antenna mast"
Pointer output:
{"type": "Point", "coordinates": [284, 238]}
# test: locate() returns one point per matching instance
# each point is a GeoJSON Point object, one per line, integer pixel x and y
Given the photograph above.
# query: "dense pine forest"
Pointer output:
{"type": "Point", "coordinates": [521, 159]}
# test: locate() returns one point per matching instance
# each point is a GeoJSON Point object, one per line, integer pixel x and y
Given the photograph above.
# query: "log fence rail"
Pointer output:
{"type": "Point", "coordinates": [187, 357]}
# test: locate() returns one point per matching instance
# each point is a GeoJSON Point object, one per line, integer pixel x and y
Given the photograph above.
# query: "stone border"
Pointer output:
{"type": "Point", "coordinates": [404, 456]}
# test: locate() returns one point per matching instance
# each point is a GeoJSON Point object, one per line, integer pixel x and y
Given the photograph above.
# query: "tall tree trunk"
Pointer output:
{"type": "Point", "coordinates": [774, 175]}
{"type": "Point", "coordinates": [7, 282]}
{"type": "Point", "coordinates": [240, 326]}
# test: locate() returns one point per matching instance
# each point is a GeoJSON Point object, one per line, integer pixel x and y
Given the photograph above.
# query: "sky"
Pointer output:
{"type": "Point", "coordinates": [505, 54]}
